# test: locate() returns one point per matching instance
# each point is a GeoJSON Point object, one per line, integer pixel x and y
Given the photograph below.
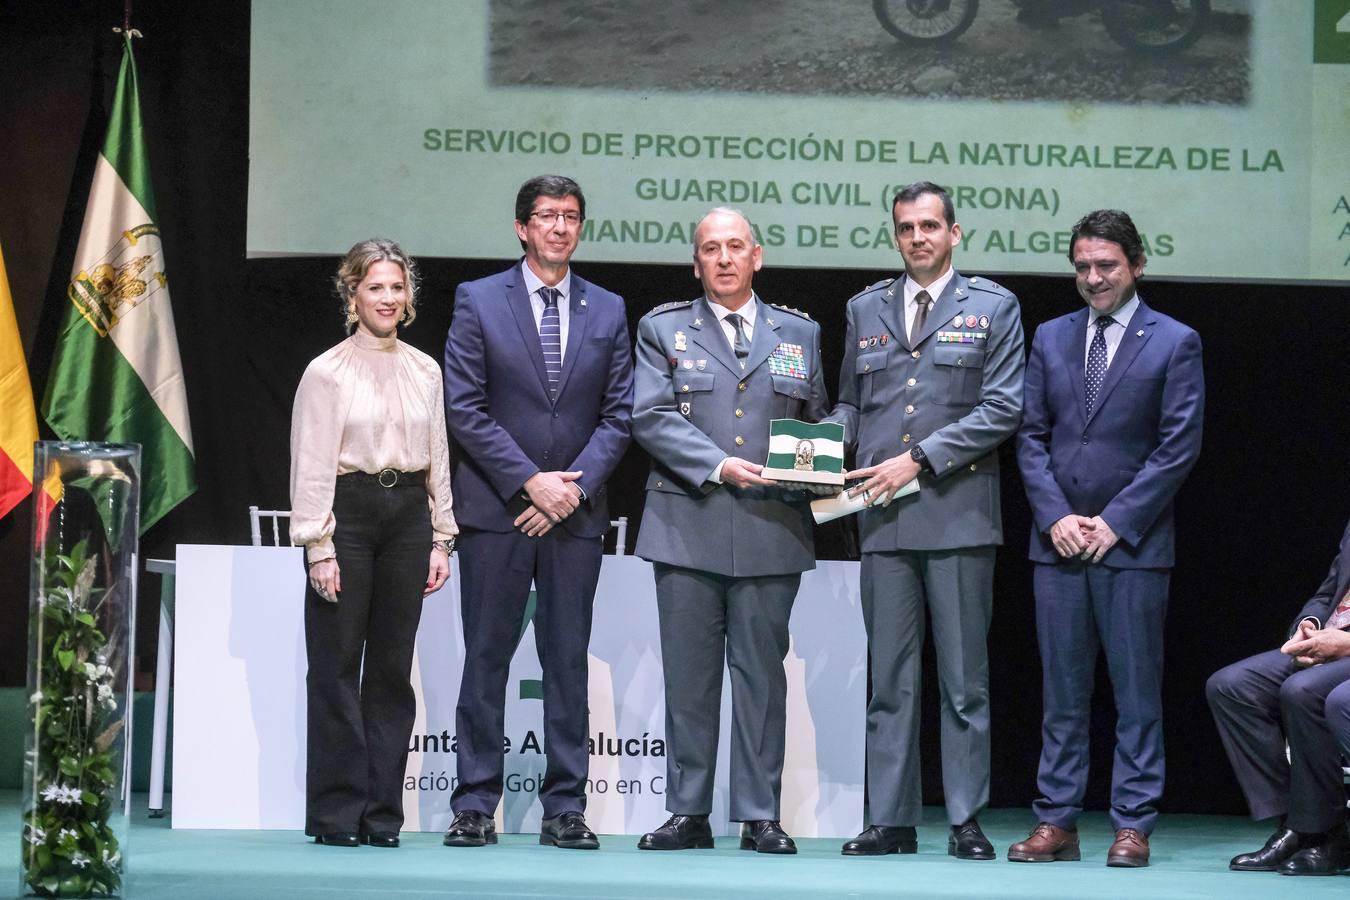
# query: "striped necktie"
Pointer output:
{"type": "Point", "coordinates": [550, 338]}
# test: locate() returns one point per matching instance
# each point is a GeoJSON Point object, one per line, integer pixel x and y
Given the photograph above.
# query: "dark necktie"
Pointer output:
{"type": "Point", "coordinates": [922, 298]}
{"type": "Point", "coordinates": [1341, 617]}
{"type": "Point", "coordinates": [1096, 363]}
{"type": "Point", "coordinates": [740, 345]}
{"type": "Point", "coordinates": [550, 338]}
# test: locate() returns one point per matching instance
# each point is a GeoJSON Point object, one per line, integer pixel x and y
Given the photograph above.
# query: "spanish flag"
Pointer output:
{"type": "Point", "coordinates": [18, 423]}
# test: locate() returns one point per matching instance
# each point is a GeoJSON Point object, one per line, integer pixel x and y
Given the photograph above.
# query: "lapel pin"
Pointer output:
{"type": "Point", "coordinates": [698, 323]}
{"type": "Point", "coordinates": [1139, 333]}
{"type": "Point", "coordinates": [959, 292]}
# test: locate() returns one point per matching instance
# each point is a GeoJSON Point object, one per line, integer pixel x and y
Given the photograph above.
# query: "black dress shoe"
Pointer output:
{"type": "Point", "coordinates": [471, 829]}
{"type": "Point", "coordinates": [1281, 845]}
{"type": "Point", "coordinates": [765, 836]}
{"type": "Point", "coordinates": [882, 839]}
{"type": "Point", "coordinates": [381, 838]}
{"type": "Point", "coordinates": [1330, 856]}
{"type": "Point", "coordinates": [568, 830]}
{"type": "Point", "coordinates": [679, 833]}
{"type": "Point", "coordinates": [339, 839]}
{"type": "Point", "coordinates": [968, 842]}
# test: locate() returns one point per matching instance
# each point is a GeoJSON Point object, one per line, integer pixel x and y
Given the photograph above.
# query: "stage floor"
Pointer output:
{"type": "Point", "coordinates": [1190, 855]}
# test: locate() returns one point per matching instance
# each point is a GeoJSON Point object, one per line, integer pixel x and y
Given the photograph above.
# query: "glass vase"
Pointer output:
{"type": "Point", "coordinates": [81, 615]}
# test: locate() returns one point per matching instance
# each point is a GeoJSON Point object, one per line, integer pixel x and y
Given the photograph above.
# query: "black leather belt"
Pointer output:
{"type": "Point", "coordinates": [387, 478]}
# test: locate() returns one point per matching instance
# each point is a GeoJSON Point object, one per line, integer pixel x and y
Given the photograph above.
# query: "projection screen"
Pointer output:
{"type": "Point", "coordinates": [418, 119]}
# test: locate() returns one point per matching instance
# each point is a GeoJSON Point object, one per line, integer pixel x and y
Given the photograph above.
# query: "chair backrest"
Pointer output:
{"type": "Point", "coordinates": [255, 517]}
{"type": "Point", "coordinates": [620, 535]}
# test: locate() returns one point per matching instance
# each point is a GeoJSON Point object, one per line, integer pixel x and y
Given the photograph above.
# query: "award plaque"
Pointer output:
{"type": "Point", "coordinates": [800, 451]}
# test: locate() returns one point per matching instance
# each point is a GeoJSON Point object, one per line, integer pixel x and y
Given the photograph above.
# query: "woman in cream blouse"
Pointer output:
{"type": "Point", "coordinates": [370, 503]}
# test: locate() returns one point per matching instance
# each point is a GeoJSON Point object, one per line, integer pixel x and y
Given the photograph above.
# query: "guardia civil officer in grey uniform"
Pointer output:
{"type": "Point", "coordinates": [728, 546]}
{"type": "Point", "coordinates": [931, 385]}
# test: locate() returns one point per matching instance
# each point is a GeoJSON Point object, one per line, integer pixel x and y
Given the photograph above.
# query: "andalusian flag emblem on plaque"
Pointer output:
{"type": "Point", "coordinates": [799, 451]}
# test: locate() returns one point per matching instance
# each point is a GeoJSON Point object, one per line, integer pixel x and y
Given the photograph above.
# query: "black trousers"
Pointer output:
{"type": "Point", "coordinates": [361, 701]}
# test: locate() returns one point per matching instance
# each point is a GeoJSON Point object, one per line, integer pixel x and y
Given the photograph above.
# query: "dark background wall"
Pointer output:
{"type": "Point", "coordinates": [1258, 520]}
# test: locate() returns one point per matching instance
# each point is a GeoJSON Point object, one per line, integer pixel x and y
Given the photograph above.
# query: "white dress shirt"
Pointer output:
{"type": "Point", "coordinates": [564, 287]}
{"type": "Point", "coordinates": [748, 312]}
{"type": "Point", "coordinates": [934, 290]}
{"type": "Point", "coordinates": [1114, 333]}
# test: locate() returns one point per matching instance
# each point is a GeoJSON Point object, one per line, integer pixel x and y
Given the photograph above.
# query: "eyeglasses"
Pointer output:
{"type": "Point", "coordinates": [550, 216]}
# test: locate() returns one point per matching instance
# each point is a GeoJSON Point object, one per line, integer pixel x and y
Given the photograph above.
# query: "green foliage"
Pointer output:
{"type": "Point", "coordinates": [69, 848]}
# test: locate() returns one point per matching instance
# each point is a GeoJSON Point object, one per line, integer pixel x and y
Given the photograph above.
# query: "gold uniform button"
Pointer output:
{"type": "Point", "coordinates": [905, 439]}
{"type": "Point", "coordinates": [912, 382]}
{"type": "Point", "coordinates": [739, 413]}
{"type": "Point", "coordinates": [914, 354]}
{"type": "Point", "coordinates": [684, 388]}
{"type": "Point", "coordinates": [909, 409]}
{"type": "Point", "coordinates": [739, 440]}
{"type": "Point", "coordinates": [741, 386]}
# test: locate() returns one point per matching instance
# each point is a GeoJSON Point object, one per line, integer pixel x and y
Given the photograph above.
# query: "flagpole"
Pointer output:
{"type": "Point", "coordinates": [126, 28]}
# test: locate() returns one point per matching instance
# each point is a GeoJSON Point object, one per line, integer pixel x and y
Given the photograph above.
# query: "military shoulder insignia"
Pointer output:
{"type": "Point", "coordinates": [790, 309]}
{"type": "Point", "coordinates": [674, 304]}
{"type": "Point", "coordinates": [885, 282]}
{"type": "Point", "coordinates": [984, 284]}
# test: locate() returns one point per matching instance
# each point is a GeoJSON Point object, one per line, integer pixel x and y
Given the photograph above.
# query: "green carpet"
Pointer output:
{"type": "Point", "coordinates": [1190, 855]}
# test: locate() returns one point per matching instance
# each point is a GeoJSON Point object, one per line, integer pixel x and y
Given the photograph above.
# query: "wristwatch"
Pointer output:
{"type": "Point", "coordinates": [448, 546]}
{"type": "Point", "coordinates": [916, 453]}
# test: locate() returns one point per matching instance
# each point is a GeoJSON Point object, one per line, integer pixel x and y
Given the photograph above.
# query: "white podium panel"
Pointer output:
{"type": "Point", "coordinates": [239, 702]}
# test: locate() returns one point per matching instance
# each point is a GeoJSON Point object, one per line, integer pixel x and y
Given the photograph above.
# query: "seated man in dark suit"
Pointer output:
{"type": "Point", "coordinates": [1296, 694]}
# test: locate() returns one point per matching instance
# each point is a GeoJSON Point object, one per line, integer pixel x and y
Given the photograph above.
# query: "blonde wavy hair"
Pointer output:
{"type": "Point", "coordinates": [354, 266]}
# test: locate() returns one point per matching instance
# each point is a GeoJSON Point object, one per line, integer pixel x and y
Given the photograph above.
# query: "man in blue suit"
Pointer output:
{"type": "Point", "coordinates": [1296, 697]}
{"type": "Point", "coordinates": [1111, 427]}
{"type": "Point", "coordinates": [539, 403]}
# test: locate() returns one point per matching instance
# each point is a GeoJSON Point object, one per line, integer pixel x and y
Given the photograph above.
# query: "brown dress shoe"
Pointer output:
{"type": "Point", "coordinates": [1048, 843]}
{"type": "Point", "coordinates": [1130, 849]}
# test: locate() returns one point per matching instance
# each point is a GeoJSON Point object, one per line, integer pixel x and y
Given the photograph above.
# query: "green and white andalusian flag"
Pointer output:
{"type": "Point", "coordinates": [116, 375]}
{"type": "Point", "coordinates": [800, 451]}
